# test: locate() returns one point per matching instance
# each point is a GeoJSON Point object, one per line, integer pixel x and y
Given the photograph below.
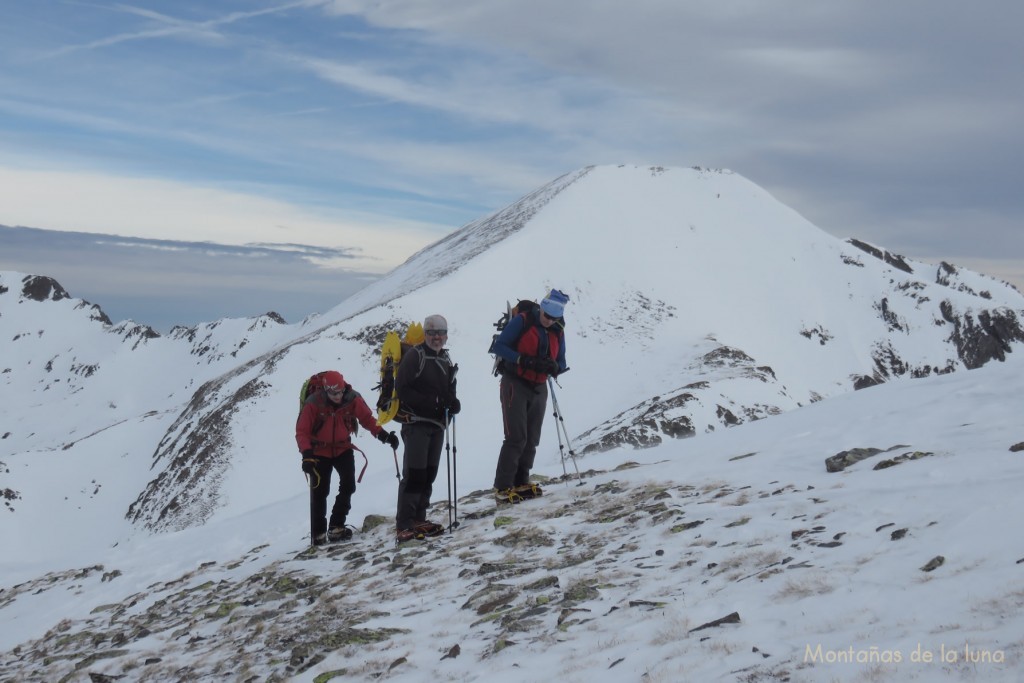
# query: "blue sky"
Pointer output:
{"type": "Point", "coordinates": [378, 127]}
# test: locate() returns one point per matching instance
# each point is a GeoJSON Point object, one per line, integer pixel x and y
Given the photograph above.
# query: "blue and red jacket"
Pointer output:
{"type": "Point", "coordinates": [525, 336]}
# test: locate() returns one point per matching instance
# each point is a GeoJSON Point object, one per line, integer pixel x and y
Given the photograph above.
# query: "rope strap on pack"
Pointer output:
{"type": "Point", "coordinates": [366, 462]}
{"type": "Point", "coordinates": [359, 479]}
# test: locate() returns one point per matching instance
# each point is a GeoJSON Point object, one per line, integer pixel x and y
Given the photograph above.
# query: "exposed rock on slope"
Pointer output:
{"type": "Point", "coordinates": [571, 573]}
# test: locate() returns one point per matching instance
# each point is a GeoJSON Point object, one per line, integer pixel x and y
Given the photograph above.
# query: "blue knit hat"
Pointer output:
{"type": "Point", "coordinates": [554, 303]}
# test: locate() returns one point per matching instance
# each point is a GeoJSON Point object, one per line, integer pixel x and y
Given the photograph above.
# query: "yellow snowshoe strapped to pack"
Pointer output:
{"type": "Point", "coordinates": [391, 353]}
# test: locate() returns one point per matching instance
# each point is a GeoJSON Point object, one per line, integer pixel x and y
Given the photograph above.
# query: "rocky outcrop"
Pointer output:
{"type": "Point", "coordinates": [9, 495]}
{"type": "Point", "coordinates": [978, 336]}
{"type": "Point", "coordinates": [704, 405]}
{"type": "Point", "coordinates": [134, 333]}
{"type": "Point", "coordinates": [42, 288]}
{"type": "Point", "coordinates": [95, 312]}
{"type": "Point", "coordinates": [894, 260]}
{"type": "Point", "coordinates": [214, 342]}
{"type": "Point", "coordinates": [948, 275]}
{"type": "Point", "coordinates": [840, 461]}
{"type": "Point", "coordinates": [982, 337]}
{"type": "Point", "coordinates": [195, 451]}
{"type": "Point", "coordinates": [645, 424]}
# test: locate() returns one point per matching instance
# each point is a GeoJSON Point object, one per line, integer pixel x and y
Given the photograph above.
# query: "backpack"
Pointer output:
{"type": "Point", "coordinates": [526, 307]}
{"type": "Point", "coordinates": [391, 353]}
{"type": "Point", "coordinates": [311, 385]}
{"type": "Point", "coordinates": [315, 384]}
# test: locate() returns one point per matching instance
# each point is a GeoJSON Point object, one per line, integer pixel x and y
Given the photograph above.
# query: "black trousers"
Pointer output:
{"type": "Point", "coordinates": [345, 466]}
{"type": "Point", "coordinates": [420, 461]}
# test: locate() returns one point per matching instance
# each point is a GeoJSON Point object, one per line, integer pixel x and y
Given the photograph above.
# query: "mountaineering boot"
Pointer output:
{"type": "Point", "coordinates": [428, 528]}
{"type": "Point", "coordinates": [404, 535]}
{"type": "Point", "coordinates": [339, 533]}
{"type": "Point", "coordinates": [320, 539]}
{"type": "Point", "coordinates": [507, 496]}
{"type": "Point", "coordinates": [527, 491]}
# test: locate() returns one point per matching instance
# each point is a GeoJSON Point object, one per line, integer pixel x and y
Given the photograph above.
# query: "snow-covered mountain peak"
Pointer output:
{"type": "Point", "coordinates": [700, 307]}
{"type": "Point", "coordinates": [698, 302]}
{"type": "Point", "coordinates": [41, 288]}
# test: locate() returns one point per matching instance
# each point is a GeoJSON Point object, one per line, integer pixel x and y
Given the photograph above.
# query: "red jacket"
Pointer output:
{"type": "Point", "coordinates": [525, 336]}
{"type": "Point", "coordinates": [530, 345]}
{"type": "Point", "coordinates": [327, 429]}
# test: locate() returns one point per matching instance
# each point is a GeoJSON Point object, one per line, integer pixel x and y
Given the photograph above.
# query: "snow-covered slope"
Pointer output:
{"type": "Point", "coordinates": [85, 403]}
{"type": "Point", "coordinates": [698, 302]}
{"type": "Point", "coordinates": [736, 557]}
{"type": "Point", "coordinates": [137, 468]}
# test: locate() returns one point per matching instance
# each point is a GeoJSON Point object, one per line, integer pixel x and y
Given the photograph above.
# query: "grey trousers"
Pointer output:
{"type": "Point", "coordinates": [522, 415]}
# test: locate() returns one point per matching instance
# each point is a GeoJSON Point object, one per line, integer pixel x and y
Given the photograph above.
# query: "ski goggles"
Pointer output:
{"type": "Point", "coordinates": [435, 333]}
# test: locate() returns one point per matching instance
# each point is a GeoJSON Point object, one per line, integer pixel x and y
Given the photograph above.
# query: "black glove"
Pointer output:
{"type": "Point", "coordinates": [389, 438]}
{"type": "Point", "coordinates": [528, 362]}
{"type": "Point", "coordinates": [549, 366]}
{"type": "Point", "coordinates": [308, 464]}
{"type": "Point", "coordinates": [454, 406]}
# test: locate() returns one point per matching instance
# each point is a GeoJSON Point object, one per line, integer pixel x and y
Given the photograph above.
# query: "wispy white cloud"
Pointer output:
{"type": "Point", "coordinates": [172, 27]}
{"type": "Point", "coordinates": [472, 94]}
{"type": "Point", "coordinates": [191, 32]}
{"type": "Point", "coordinates": [143, 245]}
{"type": "Point", "coordinates": [164, 283]}
{"type": "Point", "coordinates": [433, 113]}
{"type": "Point", "coordinates": [820, 64]}
{"type": "Point", "coordinates": [89, 202]}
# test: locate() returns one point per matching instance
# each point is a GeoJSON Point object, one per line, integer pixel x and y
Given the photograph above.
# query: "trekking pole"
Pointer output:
{"type": "Point", "coordinates": [448, 468]}
{"type": "Point", "coordinates": [560, 423]}
{"type": "Point", "coordinates": [561, 446]}
{"type": "Point", "coordinates": [398, 473]}
{"type": "Point", "coordinates": [312, 519]}
{"type": "Point", "coordinates": [455, 476]}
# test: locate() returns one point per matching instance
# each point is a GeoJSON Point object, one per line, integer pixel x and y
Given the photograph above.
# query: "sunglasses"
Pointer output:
{"type": "Point", "coordinates": [435, 333]}
{"type": "Point", "coordinates": [333, 389]}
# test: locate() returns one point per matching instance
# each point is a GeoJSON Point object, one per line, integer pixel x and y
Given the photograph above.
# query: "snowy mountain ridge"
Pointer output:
{"type": "Point", "coordinates": [698, 302]}
{"type": "Point", "coordinates": [748, 310]}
